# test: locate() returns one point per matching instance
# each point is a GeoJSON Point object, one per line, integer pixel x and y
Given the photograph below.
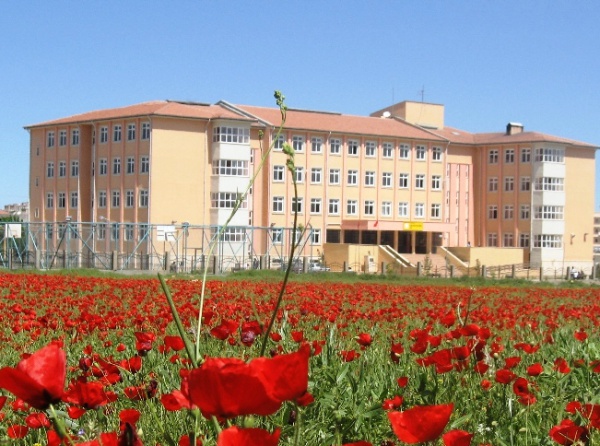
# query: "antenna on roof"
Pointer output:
{"type": "Point", "coordinates": [422, 93]}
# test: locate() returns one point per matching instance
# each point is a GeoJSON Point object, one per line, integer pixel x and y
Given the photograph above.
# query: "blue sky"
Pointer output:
{"type": "Point", "coordinates": [488, 62]}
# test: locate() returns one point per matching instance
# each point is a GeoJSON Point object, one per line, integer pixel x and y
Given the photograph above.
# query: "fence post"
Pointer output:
{"type": "Point", "coordinates": [115, 261]}
{"type": "Point", "coordinates": [419, 269]}
{"type": "Point", "coordinates": [513, 271]}
{"type": "Point", "coordinates": [541, 275]}
{"type": "Point", "coordinates": [451, 271]}
{"type": "Point", "coordinates": [483, 271]}
{"type": "Point", "coordinates": [344, 267]}
{"type": "Point", "coordinates": [382, 268]}
{"type": "Point", "coordinates": [10, 256]}
{"type": "Point", "coordinates": [38, 259]}
{"type": "Point", "coordinates": [214, 264]}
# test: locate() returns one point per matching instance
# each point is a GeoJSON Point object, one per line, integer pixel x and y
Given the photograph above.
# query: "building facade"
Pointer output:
{"type": "Point", "coordinates": [399, 177]}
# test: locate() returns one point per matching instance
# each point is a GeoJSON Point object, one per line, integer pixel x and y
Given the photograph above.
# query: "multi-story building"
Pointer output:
{"type": "Point", "coordinates": [18, 210]}
{"type": "Point", "coordinates": [399, 177]}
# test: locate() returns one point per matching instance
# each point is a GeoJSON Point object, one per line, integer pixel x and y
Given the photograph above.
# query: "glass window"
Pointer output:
{"type": "Point", "coordinates": [103, 168]}
{"type": "Point", "coordinates": [388, 150]}
{"type": "Point", "coordinates": [145, 130]}
{"type": "Point", "coordinates": [129, 199]}
{"type": "Point", "coordinates": [403, 181]}
{"type": "Point", "coordinates": [103, 135]}
{"type": "Point", "coordinates": [335, 145]}
{"type": "Point", "coordinates": [74, 168]}
{"type": "Point", "coordinates": [404, 151]}
{"type": "Point", "coordinates": [370, 149]}
{"type": "Point", "coordinates": [62, 169]}
{"type": "Point", "coordinates": [509, 156]}
{"type": "Point", "coordinates": [386, 179]}
{"type": "Point", "coordinates": [74, 199]}
{"type": "Point", "coordinates": [298, 143]}
{"type": "Point", "coordinates": [144, 196]}
{"type": "Point", "coordinates": [492, 212]}
{"type": "Point", "coordinates": [130, 132]}
{"type": "Point", "coordinates": [236, 135]}
{"type": "Point", "coordinates": [116, 199]}
{"type": "Point", "coordinates": [403, 209]}
{"type": "Point", "coordinates": [436, 182]}
{"type": "Point", "coordinates": [386, 208]}
{"type": "Point", "coordinates": [420, 153]}
{"type": "Point", "coordinates": [278, 173]}
{"type": "Point", "coordinates": [116, 166]}
{"type": "Point", "coordinates": [352, 147]}
{"type": "Point", "coordinates": [436, 153]}
{"type": "Point", "coordinates": [419, 210]}
{"type": "Point", "coordinates": [334, 206]}
{"type": "Point", "coordinates": [493, 156]}
{"type": "Point", "coordinates": [117, 133]}
{"type": "Point", "coordinates": [50, 139]}
{"type": "Point", "coordinates": [369, 178]}
{"type": "Point", "coordinates": [420, 181]}
{"type": "Point", "coordinates": [316, 145]}
{"type": "Point", "coordinates": [315, 205]}
{"type": "Point", "coordinates": [50, 169]}
{"type": "Point", "coordinates": [315, 175]}
{"type": "Point", "coordinates": [75, 137]}
{"type": "Point", "coordinates": [351, 207]}
{"type": "Point", "coordinates": [369, 207]}
{"type": "Point", "coordinates": [278, 142]}
{"type": "Point", "coordinates": [102, 199]}
{"type": "Point", "coordinates": [297, 205]}
{"type": "Point", "coordinates": [436, 210]}
{"type": "Point", "coordinates": [277, 206]}
{"type": "Point", "coordinates": [334, 176]}
{"type": "Point", "coordinates": [62, 138]}
{"type": "Point", "coordinates": [352, 177]}
{"type": "Point", "coordinates": [145, 164]}
{"type": "Point", "coordinates": [130, 165]}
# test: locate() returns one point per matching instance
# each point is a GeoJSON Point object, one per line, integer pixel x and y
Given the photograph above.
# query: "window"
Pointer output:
{"type": "Point", "coordinates": [315, 175]}
{"type": "Point", "coordinates": [420, 181]}
{"type": "Point", "coordinates": [278, 142]}
{"type": "Point", "coordinates": [509, 184]}
{"type": "Point", "coordinates": [525, 184]}
{"type": "Point", "coordinates": [226, 200]}
{"type": "Point", "coordinates": [525, 155]}
{"type": "Point", "coordinates": [50, 139]}
{"type": "Point", "coordinates": [403, 181]}
{"type": "Point", "coordinates": [509, 156]}
{"type": "Point", "coordinates": [297, 205]}
{"type": "Point", "coordinates": [103, 135]}
{"type": "Point", "coordinates": [130, 164]}
{"type": "Point", "coordinates": [114, 231]}
{"type": "Point", "coordinates": [237, 135]}
{"type": "Point", "coordinates": [278, 173]}
{"type": "Point", "coordinates": [492, 239]}
{"type": "Point", "coordinates": [299, 174]}
{"type": "Point", "coordinates": [62, 200]}
{"type": "Point", "coordinates": [117, 133]}
{"type": "Point", "coordinates": [74, 199]}
{"type": "Point", "coordinates": [315, 237]}
{"type": "Point", "coordinates": [334, 206]}
{"type": "Point", "coordinates": [492, 212]}
{"type": "Point", "coordinates": [351, 207]}
{"type": "Point", "coordinates": [277, 205]}
{"type": "Point", "coordinates": [369, 178]}
{"type": "Point", "coordinates": [547, 241]}
{"type": "Point", "coordinates": [403, 209]}
{"type": "Point", "coordinates": [524, 240]}
{"type": "Point", "coordinates": [352, 147]}
{"type": "Point", "coordinates": [49, 231]}
{"type": "Point", "coordinates": [298, 143]}
{"type": "Point", "coordinates": [74, 168]}
{"type": "Point", "coordinates": [493, 156]}
{"type": "Point", "coordinates": [316, 145]}
{"type": "Point", "coordinates": [386, 179]}
{"type": "Point", "coordinates": [509, 240]}
{"type": "Point", "coordinates": [103, 168]}
{"type": "Point", "coordinates": [129, 199]}
{"type": "Point", "coordinates": [62, 138]}
{"type": "Point", "coordinates": [116, 166]}
{"type": "Point", "coordinates": [49, 200]}
{"type": "Point", "coordinates": [277, 235]}
{"type": "Point", "coordinates": [335, 145]}
{"type": "Point", "coordinates": [388, 150]}
{"type": "Point", "coordinates": [116, 198]}
{"type": "Point", "coordinates": [436, 182]}
{"type": "Point", "coordinates": [101, 231]}
{"type": "Point", "coordinates": [315, 205]}
{"type": "Point", "coordinates": [236, 168]}
{"type": "Point", "coordinates": [145, 130]}
{"type": "Point", "coordinates": [143, 232]}
{"type": "Point", "coordinates": [404, 151]}
{"type": "Point", "coordinates": [436, 154]}
{"type": "Point", "coordinates": [508, 211]}
{"type": "Point", "coordinates": [549, 184]}
{"type": "Point", "coordinates": [549, 212]}
{"type": "Point", "coordinates": [334, 176]}
{"type": "Point", "coordinates": [62, 169]}
{"type": "Point", "coordinates": [436, 210]}
{"type": "Point", "coordinates": [128, 232]}
{"type": "Point", "coordinates": [386, 208]}
{"type": "Point", "coordinates": [352, 177]}
{"type": "Point", "coordinates": [419, 210]}
{"type": "Point", "coordinates": [75, 137]}
{"type": "Point", "coordinates": [130, 132]}
{"type": "Point", "coordinates": [145, 164]}
{"type": "Point", "coordinates": [549, 155]}
{"type": "Point", "coordinates": [50, 169]}
{"type": "Point", "coordinates": [420, 153]}
{"type": "Point", "coordinates": [524, 212]}
{"type": "Point", "coordinates": [144, 195]}
{"type": "Point", "coordinates": [370, 149]}
{"type": "Point", "coordinates": [369, 207]}
{"type": "Point", "coordinates": [102, 199]}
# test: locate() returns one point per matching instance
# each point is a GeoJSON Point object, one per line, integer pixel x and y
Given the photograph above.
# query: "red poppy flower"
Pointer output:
{"type": "Point", "coordinates": [393, 403]}
{"type": "Point", "coordinates": [234, 436]}
{"type": "Point", "coordinates": [561, 365]}
{"type": "Point", "coordinates": [402, 381]}
{"type": "Point", "coordinates": [143, 342]}
{"type": "Point", "coordinates": [457, 437]}
{"type": "Point", "coordinates": [38, 380]}
{"type": "Point", "coordinates": [305, 399]}
{"type": "Point", "coordinates": [17, 431]}
{"type": "Point", "coordinates": [89, 395]}
{"type": "Point", "coordinates": [421, 423]}
{"type": "Point", "coordinates": [228, 387]}
{"type": "Point", "coordinates": [580, 335]}
{"type": "Point", "coordinates": [185, 441]}
{"type": "Point", "coordinates": [349, 355]}
{"type": "Point", "coordinates": [535, 369]}
{"type": "Point", "coordinates": [364, 339]}
{"type": "Point", "coordinates": [567, 433]}
{"type": "Point", "coordinates": [521, 389]}
{"type": "Point", "coordinates": [505, 376]}
{"type": "Point", "coordinates": [395, 352]}
{"type": "Point", "coordinates": [174, 343]}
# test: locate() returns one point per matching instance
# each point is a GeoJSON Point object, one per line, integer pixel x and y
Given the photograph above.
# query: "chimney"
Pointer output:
{"type": "Point", "coordinates": [514, 128]}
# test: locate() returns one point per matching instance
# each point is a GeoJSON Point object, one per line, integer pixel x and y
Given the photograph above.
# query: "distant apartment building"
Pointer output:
{"type": "Point", "coordinates": [399, 177]}
{"type": "Point", "coordinates": [19, 211]}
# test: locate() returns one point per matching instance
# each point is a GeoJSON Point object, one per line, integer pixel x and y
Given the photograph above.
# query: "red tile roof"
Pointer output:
{"type": "Point", "coordinates": [153, 108]}
{"type": "Point", "coordinates": [338, 123]}
{"type": "Point", "coordinates": [462, 137]}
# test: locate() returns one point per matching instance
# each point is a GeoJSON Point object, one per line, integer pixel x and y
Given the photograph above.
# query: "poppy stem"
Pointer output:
{"type": "Point", "coordinates": [189, 348]}
{"type": "Point", "coordinates": [297, 425]}
{"type": "Point", "coordinates": [59, 425]}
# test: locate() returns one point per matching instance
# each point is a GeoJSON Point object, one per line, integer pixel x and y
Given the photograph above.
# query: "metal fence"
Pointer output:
{"type": "Point", "coordinates": [128, 246]}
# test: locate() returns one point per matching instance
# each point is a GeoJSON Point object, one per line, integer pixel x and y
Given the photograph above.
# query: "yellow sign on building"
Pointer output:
{"type": "Point", "coordinates": [413, 226]}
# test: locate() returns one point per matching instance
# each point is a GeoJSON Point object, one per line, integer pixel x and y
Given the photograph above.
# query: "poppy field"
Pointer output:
{"type": "Point", "coordinates": [100, 361]}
